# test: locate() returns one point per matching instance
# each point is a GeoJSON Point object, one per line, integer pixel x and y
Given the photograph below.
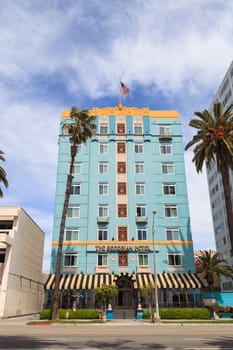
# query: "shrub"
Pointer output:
{"type": "Point", "coordinates": [146, 314]}
{"type": "Point", "coordinates": [86, 314]}
{"type": "Point", "coordinates": [184, 314]}
{"type": "Point", "coordinates": [46, 314]}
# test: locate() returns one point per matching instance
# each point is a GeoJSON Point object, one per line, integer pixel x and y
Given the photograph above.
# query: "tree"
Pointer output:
{"type": "Point", "coordinates": [147, 294]}
{"type": "Point", "coordinates": [79, 129]}
{"type": "Point", "coordinates": [212, 267]}
{"type": "Point", "coordinates": [214, 143]}
{"type": "Point", "coordinates": [105, 293]}
{"type": "Point", "coordinates": [3, 178]}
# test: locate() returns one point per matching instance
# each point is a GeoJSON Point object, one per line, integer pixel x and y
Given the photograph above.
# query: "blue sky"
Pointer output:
{"type": "Point", "coordinates": [58, 53]}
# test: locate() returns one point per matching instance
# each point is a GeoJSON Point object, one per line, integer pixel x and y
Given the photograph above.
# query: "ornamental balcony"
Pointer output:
{"type": "Point", "coordinates": [141, 219]}
{"type": "Point", "coordinates": [102, 219]}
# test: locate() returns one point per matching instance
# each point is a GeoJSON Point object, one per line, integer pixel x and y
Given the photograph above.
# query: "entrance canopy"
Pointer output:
{"type": "Point", "coordinates": [139, 280]}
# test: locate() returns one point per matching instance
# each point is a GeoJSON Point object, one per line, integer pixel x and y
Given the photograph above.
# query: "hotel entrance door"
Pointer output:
{"type": "Point", "coordinates": [125, 295]}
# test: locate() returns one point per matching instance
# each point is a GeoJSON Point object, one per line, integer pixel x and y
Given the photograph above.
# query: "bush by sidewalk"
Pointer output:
{"type": "Point", "coordinates": [63, 314]}
{"type": "Point", "coordinates": [181, 314]}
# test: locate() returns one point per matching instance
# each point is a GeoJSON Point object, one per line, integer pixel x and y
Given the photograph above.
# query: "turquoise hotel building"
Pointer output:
{"type": "Point", "coordinates": [129, 200]}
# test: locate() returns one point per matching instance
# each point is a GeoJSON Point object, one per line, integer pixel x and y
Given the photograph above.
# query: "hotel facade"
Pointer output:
{"type": "Point", "coordinates": [128, 182]}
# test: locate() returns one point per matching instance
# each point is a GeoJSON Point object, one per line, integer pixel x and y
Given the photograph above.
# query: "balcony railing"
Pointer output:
{"type": "Point", "coordinates": [5, 237]}
{"type": "Point", "coordinates": [102, 219]}
{"type": "Point", "coordinates": [141, 219]}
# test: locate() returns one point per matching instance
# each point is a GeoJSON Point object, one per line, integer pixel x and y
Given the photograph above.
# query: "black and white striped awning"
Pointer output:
{"type": "Point", "coordinates": [164, 280]}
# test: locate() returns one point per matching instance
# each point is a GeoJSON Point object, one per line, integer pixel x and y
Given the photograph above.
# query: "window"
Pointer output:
{"type": "Point", "coordinates": [172, 233]}
{"type": "Point", "coordinates": [2, 255]}
{"type": "Point", "coordinates": [174, 259]}
{"type": "Point", "coordinates": [102, 259]}
{"type": "Point", "coordinates": [139, 167]}
{"type": "Point", "coordinates": [103, 147]}
{"type": "Point", "coordinates": [6, 224]}
{"type": "Point", "coordinates": [103, 210]}
{"type": "Point", "coordinates": [103, 167]}
{"type": "Point", "coordinates": [73, 212]}
{"type": "Point", "coordinates": [141, 210]}
{"type": "Point", "coordinates": [71, 234]}
{"type": "Point", "coordinates": [123, 259]}
{"type": "Point", "coordinates": [120, 147]}
{"type": "Point", "coordinates": [79, 149]}
{"type": "Point", "coordinates": [143, 260]}
{"type": "Point", "coordinates": [138, 148]}
{"type": "Point", "coordinates": [137, 129]}
{"type": "Point", "coordinates": [167, 168]}
{"type": "Point", "coordinates": [75, 189]}
{"type": "Point", "coordinates": [103, 234]}
{"type": "Point", "coordinates": [166, 148]}
{"type": "Point", "coordinates": [169, 189]}
{"type": "Point", "coordinates": [142, 234]}
{"type": "Point", "coordinates": [121, 128]}
{"type": "Point", "coordinates": [103, 129]}
{"type": "Point", "coordinates": [121, 167]}
{"type": "Point", "coordinates": [70, 260]}
{"type": "Point", "coordinates": [77, 170]}
{"type": "Point", "coordinates": [122, 210]}
{"type": "Point", "coordinates": [121, 188]}
{"type": "Point", "coordinates": [140, 188]}
{"type": "Point", "coordinates": [171, 211]}
{"type": "Point", "coordinates": [103, 189]}
{"type": "Point", "coordinates": [164, 130]}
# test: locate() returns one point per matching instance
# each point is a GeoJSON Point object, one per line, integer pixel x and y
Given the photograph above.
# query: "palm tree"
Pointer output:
{"type": "Point", "coordinates": [212, 267]}
{"type": "Point", "coordinates": [3, 178]}
{"type": "Point", "coordinates": [79, 130]}
{"type": "Point", "coordinates": [214, 143]}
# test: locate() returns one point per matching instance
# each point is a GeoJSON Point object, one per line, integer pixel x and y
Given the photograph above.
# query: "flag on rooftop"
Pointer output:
{"type": "Point", "coordinates": [124, 89]}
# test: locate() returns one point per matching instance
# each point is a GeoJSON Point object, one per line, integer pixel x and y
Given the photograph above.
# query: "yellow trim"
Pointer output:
{"type": "Point", "coordinates": [114, 243]}
{"type": "Point", "coordinates": [120, 110]}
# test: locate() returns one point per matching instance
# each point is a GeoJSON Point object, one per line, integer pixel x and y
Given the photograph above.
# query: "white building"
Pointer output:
{"type": "Point", "coordinates": [21, 257]}
{"type": "Point", "coordinates": [224, 95]}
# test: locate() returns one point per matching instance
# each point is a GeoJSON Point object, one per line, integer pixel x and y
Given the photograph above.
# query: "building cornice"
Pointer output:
{"type": "Point", "coordinates": [121, 110]}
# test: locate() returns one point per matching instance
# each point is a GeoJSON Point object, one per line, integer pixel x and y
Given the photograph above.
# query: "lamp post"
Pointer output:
{"type": "Point", "coordinates": [157, 318]}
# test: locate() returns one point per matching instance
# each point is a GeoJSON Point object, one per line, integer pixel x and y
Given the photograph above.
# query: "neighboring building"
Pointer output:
{"type": "Point", "coordinates": [131, 167]}
{"type": "Point", "coordinates": [225, 96]}
{"type": "Point", "coordinates": [21, 257]}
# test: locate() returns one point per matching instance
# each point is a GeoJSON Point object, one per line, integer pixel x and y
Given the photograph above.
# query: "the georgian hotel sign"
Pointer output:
{"type": "Point", "coordinates": [122, 248]}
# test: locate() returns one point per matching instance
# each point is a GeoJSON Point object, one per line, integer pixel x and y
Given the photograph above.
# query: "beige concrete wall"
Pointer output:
{"type": "Point", "coordinates": [22, 283]}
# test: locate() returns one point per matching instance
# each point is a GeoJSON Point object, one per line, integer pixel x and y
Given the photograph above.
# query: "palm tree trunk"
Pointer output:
{"type": "Point", "coordinates": [56, 292]}
{"type": "Point", "coordinates": [227, 194]}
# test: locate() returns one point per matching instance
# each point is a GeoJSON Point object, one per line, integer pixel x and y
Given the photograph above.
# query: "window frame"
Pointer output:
{"type": "Point", "coordinates": [143, 257]}
{"type": "Point", "coordinates": [77, 165]}
{"type": "Point", "coordinates": [103, 207]}
{"type": "Point", "coordinates": [75, 186]}
{"type": "Point", "coordinates": [72, 230]}
{"type": "Point", "coordinates": [139, 186]}
{"type": "Point", "coordinates": [103, 166]}
{"type": "Point", "coordinates": [174, 255]}
{"type": "Point", "coordinates": [138, 148]}
{"type": "Point", "coordinates": [168, 166]}
{"type": "Point", "coordinates": [166, 127]}
{"type": "Point", "coordinates": [104, 186]}
{"type": "Point", "coordinates": [104, 125]}
{"type": "Point", "coordinates": [73, 207]}
{"type": "Point", "coordinates": [105, 232]}
{"type": "Point", "coordinates": [102, 255]}
{"type": "Point", "coordinates": [143, 234]}
{"type": "Point", "coordinates": [142, 208]}
{"type": "Point", "coordinates": [169, 186]}
{"type": "Point", "coordinates": [71, 255]}
{"type": "Point", "coordinates": [104, 146]}
{"type": "Point", "coordinates": [138, 165]}
{"type": "Point", "coordinates": [137, 126]}
{"type": "Point", "coordinates": [170, 207]}
{"type": "Point", "coordinates": [172, 232]}
{"type": "Point", "coordinates": [165, 146]}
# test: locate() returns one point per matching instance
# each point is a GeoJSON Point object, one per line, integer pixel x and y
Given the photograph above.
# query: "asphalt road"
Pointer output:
{"type": "Point", "coordinates": [125, 336]}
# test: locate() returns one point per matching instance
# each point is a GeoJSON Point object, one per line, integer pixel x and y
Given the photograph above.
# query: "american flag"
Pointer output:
{"type": "Point", "coordinates": [124, 89]}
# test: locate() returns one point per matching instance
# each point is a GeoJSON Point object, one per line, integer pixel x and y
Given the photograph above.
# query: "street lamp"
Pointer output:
{"type": "Point", "coordinates": [157, 318]}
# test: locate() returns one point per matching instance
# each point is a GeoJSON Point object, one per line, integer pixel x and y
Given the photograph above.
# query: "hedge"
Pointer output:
{"type": "Point", "coordinates": [182, 314]}
{"type": "Point", "coordinates": [70, 314]}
